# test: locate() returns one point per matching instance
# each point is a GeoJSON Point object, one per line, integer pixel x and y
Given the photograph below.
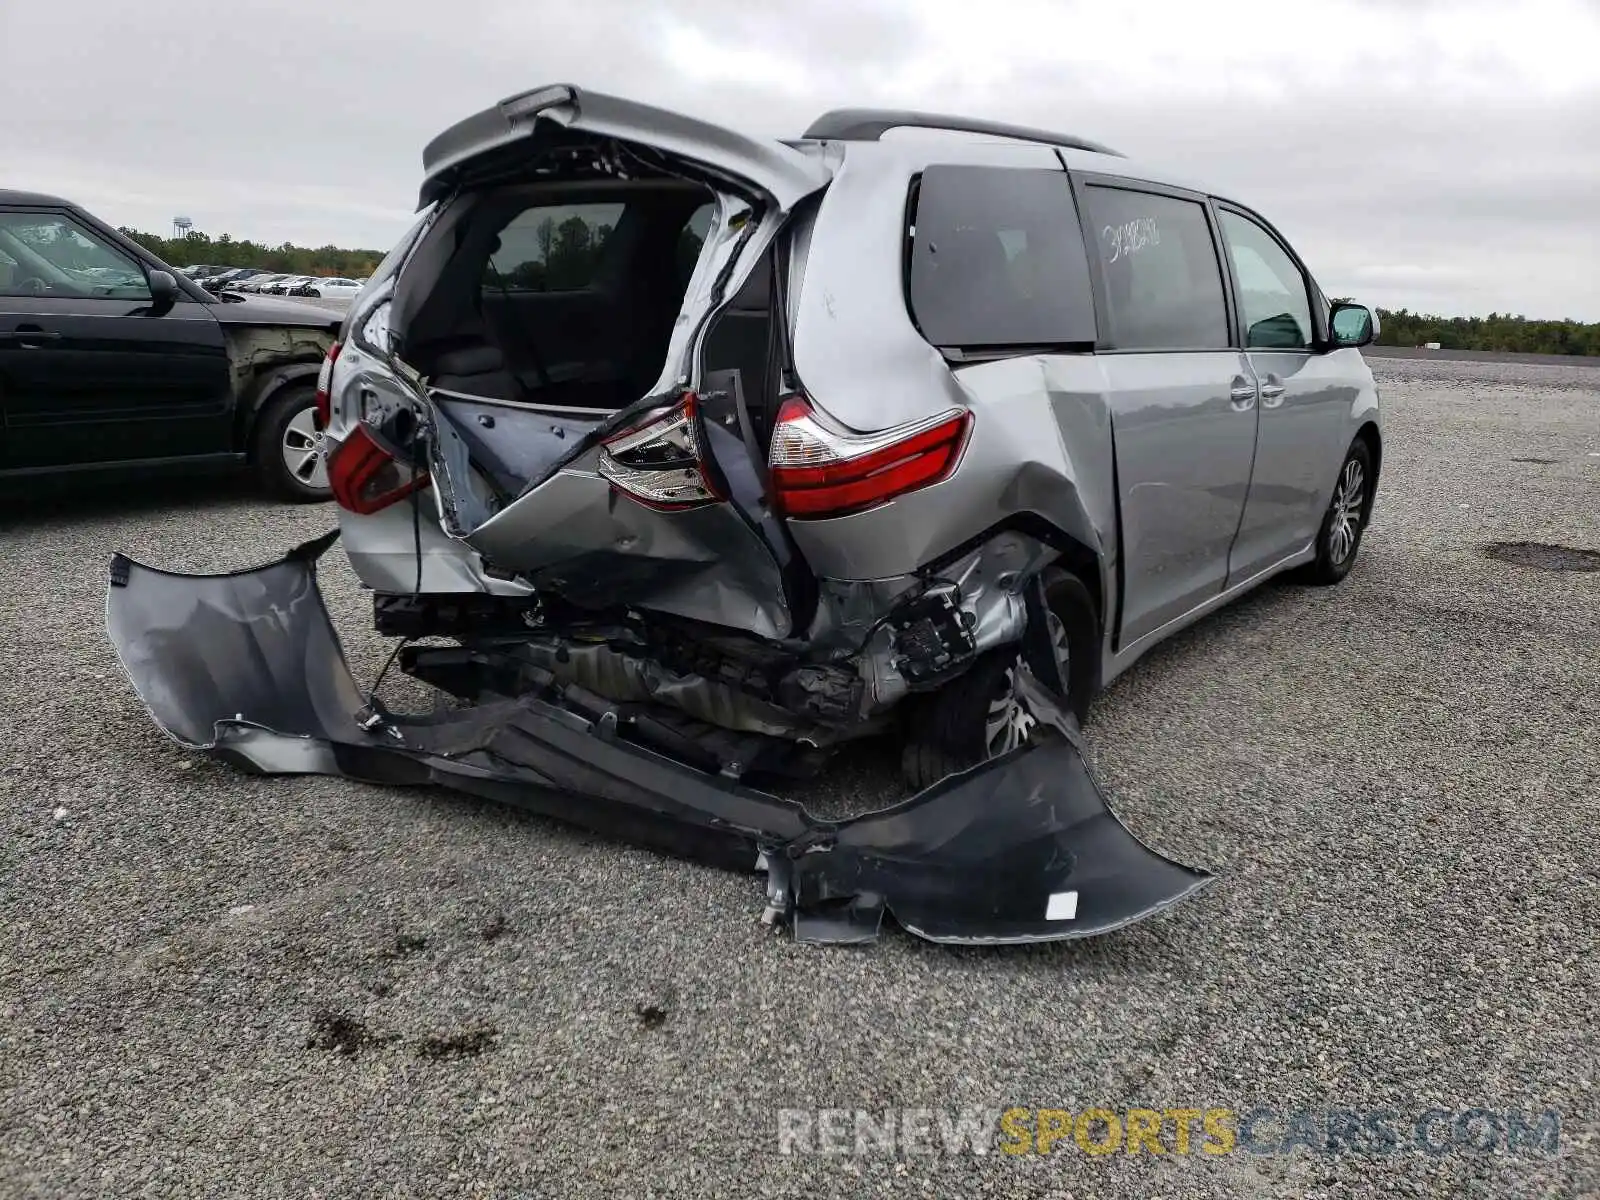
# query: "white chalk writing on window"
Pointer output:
{"type": "Point", "coordinates": [1129, 237]}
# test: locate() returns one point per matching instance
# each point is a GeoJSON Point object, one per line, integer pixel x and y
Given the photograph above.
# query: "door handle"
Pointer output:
{"type": "Point", "coordinates": [1272, 389]}
{"type": "Point", "coordinates": [29, 337]}
{"type": "Point", "coordinates": [1242, 394]}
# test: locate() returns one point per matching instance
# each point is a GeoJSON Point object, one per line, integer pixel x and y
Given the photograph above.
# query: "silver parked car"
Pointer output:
{"type": "Point", "coordinates": [335, 288]}
{"type": "Point", "coordinates": [716, 453]}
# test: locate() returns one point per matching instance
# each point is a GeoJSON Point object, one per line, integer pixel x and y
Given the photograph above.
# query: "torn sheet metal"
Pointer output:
{"type": "Point", "coordinates": [1018, 849]}
{"type": "Point", "coordinates": [255, 349]}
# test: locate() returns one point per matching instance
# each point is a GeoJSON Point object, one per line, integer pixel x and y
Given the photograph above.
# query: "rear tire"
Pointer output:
{"type": "Point", "coordinates": [976, 717]}
{"type": "Point", "coordinates": [288, 450]}
{"type": "Point", "coordinates": [1339, 536]}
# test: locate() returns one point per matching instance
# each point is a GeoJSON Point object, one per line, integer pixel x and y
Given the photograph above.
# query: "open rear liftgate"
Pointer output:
{"type": "Point", "coordinates": [1023, 848]}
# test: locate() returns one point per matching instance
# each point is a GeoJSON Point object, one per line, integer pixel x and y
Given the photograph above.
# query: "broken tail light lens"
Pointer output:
{"type": "Point", "coordinates": [819, 471]}
{"type": "Point", "coordinates": [324, 382]}
{"type": "Point", "coordinates": [659, 463]}
{"type": "Point", "coordinates": [366, 477]}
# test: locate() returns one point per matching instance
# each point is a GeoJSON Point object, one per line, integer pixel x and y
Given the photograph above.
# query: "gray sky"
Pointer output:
{"type": "Point", "coordinates": [1441, 156]}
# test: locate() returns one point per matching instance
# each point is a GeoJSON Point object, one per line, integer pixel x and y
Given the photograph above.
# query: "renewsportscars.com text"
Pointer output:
{"type": "Point", "coordinates": [1177, 1132]}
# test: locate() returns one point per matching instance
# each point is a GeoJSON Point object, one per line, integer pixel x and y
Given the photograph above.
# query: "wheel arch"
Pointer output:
{"type": "Point", "coordinates": [265, 385]}
{"type": "Point", "coordinates": [1076, 558]}
{"type": "Point", "coordinates": [1370, 434]}
{"type": "Point", "coordinates": [265, 359]}
{"type": "Point", "coordinates": [1082, 562]}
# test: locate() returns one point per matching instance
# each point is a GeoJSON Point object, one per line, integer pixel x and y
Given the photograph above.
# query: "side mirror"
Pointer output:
{"type": "Point", "coordinates": [1352, 325]}
{"type": "Point", "coordinates": [164, 289]}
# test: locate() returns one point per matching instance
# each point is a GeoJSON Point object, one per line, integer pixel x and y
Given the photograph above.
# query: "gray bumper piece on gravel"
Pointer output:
{"type": "Point", "coordinates": [1023, 848]}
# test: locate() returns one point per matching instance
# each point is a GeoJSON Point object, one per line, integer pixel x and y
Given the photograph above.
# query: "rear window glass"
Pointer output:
{"type": "Point", "coordinates": [1163, 279]}
{"type": "Point", "coordinates": [552, 248]}
{"type": "Point", "coordinates": [997, 259]}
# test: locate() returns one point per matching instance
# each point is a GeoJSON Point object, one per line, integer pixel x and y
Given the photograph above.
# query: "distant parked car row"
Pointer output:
{"type": "Point", "coordinates": [272, 283]}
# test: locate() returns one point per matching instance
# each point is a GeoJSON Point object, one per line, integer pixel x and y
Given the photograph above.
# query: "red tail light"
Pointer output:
{"type": "Point", "coordinates": [365, 477]}
{"type": "Point", "coordinates": [818, 471]}
{"type": "Point", "coordinates": [324, 379]}
{"type": "Point", "coordinates": [659, 462]}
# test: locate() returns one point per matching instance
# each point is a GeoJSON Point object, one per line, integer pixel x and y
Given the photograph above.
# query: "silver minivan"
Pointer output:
{"type": "Point", "coordinates": [738, 450]}
{"type": "Point", "coordinates": [987, 365]}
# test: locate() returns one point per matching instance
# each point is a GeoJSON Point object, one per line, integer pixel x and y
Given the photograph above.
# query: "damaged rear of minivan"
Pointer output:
{"type": "Point", "coordinates": [579, 467]}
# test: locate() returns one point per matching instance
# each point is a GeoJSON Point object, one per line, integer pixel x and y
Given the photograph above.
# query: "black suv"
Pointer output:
{"type": "Point", "coordinates": [112, 362]}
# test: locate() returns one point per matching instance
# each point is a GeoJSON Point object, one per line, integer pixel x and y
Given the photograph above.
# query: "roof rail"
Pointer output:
{"type": "Point", "coordinates": [870, 124]}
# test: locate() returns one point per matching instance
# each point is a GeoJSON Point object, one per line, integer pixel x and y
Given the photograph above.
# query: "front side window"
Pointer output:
{"type": "Point", "coordinates": [996, 259]}
{"type": "Point", "coordinates": [52, 255]}
{"type": "Point", "coordinates": [552, 248]}
{"type": "Point", "coordinates": [1273, 300]}
{"type": "Point", "coordinates": [1162, 277]}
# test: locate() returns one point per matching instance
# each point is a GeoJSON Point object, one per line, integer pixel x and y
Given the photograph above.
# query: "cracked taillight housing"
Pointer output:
{"type": "Point", "coordinates": [819, 470]}
{"type": "Point", "coordinates": [366, 478]}
{"type": "Point", "coordinates": [660, 463]}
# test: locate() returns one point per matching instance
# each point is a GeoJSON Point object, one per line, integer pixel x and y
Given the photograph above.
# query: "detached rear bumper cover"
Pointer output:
{"type": "Point", "coordinates": [248, 667]}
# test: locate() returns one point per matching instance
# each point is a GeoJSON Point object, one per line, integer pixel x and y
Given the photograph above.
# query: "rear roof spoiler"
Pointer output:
{"type": "Point", "coordinates": [870, 124]}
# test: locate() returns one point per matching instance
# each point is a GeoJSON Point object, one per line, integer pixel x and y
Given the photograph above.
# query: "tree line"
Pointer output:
{"type": "Point", "coordinates": [224, 251]}
{"type": "Point", "coordinates": [561, 257]}
{"type": "Point", "coordinates": [1498, 332]}
{"type": "Point", "coordinates": [566, 255]}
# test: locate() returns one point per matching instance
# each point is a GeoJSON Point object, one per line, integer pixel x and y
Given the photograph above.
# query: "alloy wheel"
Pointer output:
{"type": "Point", "coordinates": [303, 450]}
{"type": "Point", "coordinates": [1347, 501]}
{"type": "Point", "coordinates": [1008, 722]}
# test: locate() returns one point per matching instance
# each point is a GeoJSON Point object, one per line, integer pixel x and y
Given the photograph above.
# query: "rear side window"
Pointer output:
{"type": "Point", "coordinates": [552, 248]}
{"type": "Point", "coordinates": [1162, 276]}
{"type": "Point", "coordinates": [996, 259]}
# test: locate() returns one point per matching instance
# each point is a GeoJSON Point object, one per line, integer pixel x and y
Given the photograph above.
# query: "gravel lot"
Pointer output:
{"type": "Point", "coordinates": [1398, 779]}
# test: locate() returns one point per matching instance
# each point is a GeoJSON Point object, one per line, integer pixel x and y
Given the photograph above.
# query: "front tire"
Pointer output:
{"type": "Point", "coordinates": [978, 716]}
{"type": "Point", "coordinates": [1339, 537]}
{"type": "Point", "coordinates": [290, 452]}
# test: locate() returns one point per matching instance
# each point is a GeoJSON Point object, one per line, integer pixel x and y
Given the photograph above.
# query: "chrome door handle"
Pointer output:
{"type": "Point", "coordinates": [1242, 393]}
{"type": "Point", "coordinates": [1272, 392]}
